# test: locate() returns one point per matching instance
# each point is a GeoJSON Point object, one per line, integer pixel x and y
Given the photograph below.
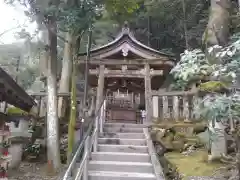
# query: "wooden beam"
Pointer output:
{"type": "Point", "coordinates": [123, 76]}
{"type": "Point", "coordinates": [126, 73]}
{"type": "Point", "coordinates": [43, 94]}
{"type": "Point", "coordinates": [129, 62]}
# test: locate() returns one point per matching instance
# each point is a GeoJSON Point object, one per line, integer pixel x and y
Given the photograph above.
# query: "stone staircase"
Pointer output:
{"type": "Point", "coordinates": [123, 154]}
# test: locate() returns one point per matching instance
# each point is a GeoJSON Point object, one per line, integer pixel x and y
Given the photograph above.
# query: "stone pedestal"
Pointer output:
{"type": "Point", "coordinates": [18, 136]}
{"type": "Point", "coordinates": [16, 151]}
{"type": "Point", "coordinates": [217, 140]}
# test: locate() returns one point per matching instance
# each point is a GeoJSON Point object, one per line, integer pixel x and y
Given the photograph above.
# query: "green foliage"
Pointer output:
{"type": "Point", "coordinates": [221, 66]}
{"type": "Point", "coordinates": [122, 9]}
{"type": "Point", "coordinates": [15, 111]}
{"type": "Point", "coordinates": [167, 23]}
{"type": "Point", "coordinates": [33, 149]}
{"type": "Point", "coordinates": [218, 64]}
{"type": "Point", "coordinates": [122, 6]}
{"type": "Point", "coordinates": [78, 18]}
{"type": "Point", "coordinates": [218, 108]}
{"type": "Point", "coordinates": [5, 144]}
{"type": "Point", "coordinates": [25, 57]}
{"type": "Point", "coordinates": [192, 67]}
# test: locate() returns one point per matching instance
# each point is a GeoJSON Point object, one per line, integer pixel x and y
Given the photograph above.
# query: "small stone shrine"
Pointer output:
{"type": "Point", "coordinates": [10, 93]}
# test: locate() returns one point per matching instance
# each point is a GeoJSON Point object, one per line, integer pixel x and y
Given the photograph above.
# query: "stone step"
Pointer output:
{"type": "Point", "coordinates": [120, 166]}
{"type": "Point", "coordinates": [123, 129]}
{"type": "Point", "coordinates": [106, 175]}
{"type": "Point", "coordinates": [121, 157]}
{"type": "Point", "coordinates": [122, 148]}
{"type": "Point", "coordinates": [128, 125]}
{"type": "Point", "coordinates": [139, 142]}
{"type": "Point", "coordinates": [122, 135]}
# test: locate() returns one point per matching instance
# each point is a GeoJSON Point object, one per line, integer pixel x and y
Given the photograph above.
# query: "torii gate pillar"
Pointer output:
{"type": "Point", "coordinates": [100, 87]}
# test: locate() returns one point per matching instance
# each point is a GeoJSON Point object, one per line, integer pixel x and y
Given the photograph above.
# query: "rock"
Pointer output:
{"type": "Point", "coordinates": [189, 150]}
{"type": "Point", "coordinates": [168, 145]}
{"type": "Point", "coordinates": [173, 139]}
{"type": "Point", "coordinates": [169, 169]}
{"type": "Point", "coordinates": [178, 145]}
{"type": "Point", "coordinates": [160, 148]}
{"type": "Point", "coordinates": [212, 158]}
{"type": "Point", "coordinates": [184, 129]}
{"type": "Point", "coordinates": [204, 138]}
{"type": "Point", "coordinates": [198, 128]}
{"type": "Point", "coordinates": [160, 134]}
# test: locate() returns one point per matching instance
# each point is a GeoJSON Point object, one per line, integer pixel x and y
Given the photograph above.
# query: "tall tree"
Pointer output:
{"type": "Point", "coordinates": [45, 13]}
{"type": "Point", "coordinates": [75, 18]}
{"type": "Point", "coordinates": [52, 116]}
{"type": "Point", "coordinates": [218, 28]}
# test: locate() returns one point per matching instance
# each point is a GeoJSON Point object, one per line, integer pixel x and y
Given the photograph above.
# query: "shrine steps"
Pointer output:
{"type": "Point", "coordinates": [120, 157]}
{"type": "Point", "coordinates": [106, 175]}
{"type": "Point", "coordinates": [122, 154]}
{"type": "Point", "coordinates": [123, 129]}
{"type": "Point", "coordinates": [122, 148]}
{"type": "Point", "coordinates": [122, 135]}
{"type": "Point", "coordinates": [138, 142]}
{"type": "Point", "coordinates": [120, 166]}
{"type": "Point", "coordinates": [128, 125]}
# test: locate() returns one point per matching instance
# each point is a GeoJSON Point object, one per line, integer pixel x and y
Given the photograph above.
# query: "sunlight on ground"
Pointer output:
{"type": "Point", "coordinates": [194, 164]}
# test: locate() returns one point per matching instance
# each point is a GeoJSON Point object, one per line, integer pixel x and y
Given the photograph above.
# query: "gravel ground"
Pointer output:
{"type": "Point", "coordinates": [33, 171]}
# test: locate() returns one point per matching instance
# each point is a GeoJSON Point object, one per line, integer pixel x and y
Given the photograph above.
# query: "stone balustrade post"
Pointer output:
{"type": "Point", "coordinates": [155, 103]}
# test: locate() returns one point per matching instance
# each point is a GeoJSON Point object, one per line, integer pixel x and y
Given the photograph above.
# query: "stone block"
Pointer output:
{"type": "Point", "coordinates": [16, 151]}
{"type": "Point", "coordinates": [218, 140]}
{"type": "Point", "coordinates": [20, 130]}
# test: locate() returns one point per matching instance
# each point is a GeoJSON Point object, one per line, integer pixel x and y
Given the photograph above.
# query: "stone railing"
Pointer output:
{"type": "Point", "coordinates": [76, 171]}
{"type": "Point", "coordinates": [174, 105]}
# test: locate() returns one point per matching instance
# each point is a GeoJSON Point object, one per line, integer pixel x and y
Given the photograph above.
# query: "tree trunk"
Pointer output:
{"type": "Point", "coordinates": [44, 54]}
{"type": "Point", "coordinates": [52, 116]}
{"type": "Point", "coordinates": [73, 115]}
{"type": "Point", "coordinates": [217, 31]}
{"type": "Point", "coordinates": [73, 112]}
{"type": "Point", "coordinates": [67, 64]}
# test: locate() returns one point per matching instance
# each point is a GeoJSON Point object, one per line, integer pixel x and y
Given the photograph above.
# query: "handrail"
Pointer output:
{"type": "Point", "coordinates": [89, 140]}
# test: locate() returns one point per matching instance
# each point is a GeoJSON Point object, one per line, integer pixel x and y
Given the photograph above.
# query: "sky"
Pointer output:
{"type": "Point", "coordinates": [10, 18]}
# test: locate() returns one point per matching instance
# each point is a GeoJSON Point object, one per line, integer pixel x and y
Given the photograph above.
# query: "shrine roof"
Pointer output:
{"type": "Point", "coordinates": [13, 94]}
{"type": "Point", "coordinates": [124, 43]}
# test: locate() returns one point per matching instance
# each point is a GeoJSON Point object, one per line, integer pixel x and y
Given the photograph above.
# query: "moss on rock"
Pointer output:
{"type": "Point", "coordinates": [174, 138]}
{"type": "Point", "coordinates": [16, 111]}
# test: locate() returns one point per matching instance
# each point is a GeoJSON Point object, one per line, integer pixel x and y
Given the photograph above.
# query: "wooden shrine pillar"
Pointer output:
{"type": "Point", "coordinates": [148, 94]}
{"type": "Point", "coordinates": [92, 107]}
{"type": "Point", "coordinates": [100, 87]}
